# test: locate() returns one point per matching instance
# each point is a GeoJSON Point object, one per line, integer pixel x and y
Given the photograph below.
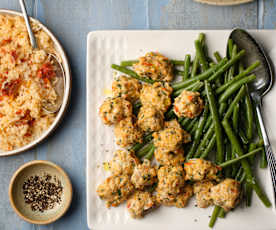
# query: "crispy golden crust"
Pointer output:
{"type": "Point", "coordinates": [164, 157]}
{"type": "Point", "coordinates": [202, 190]}
{"type": "Point", "coordinates": [140, 203]}
{"type": "Point", "coordinates": [115, 190]}
{"type": "Point", "coordinates": [156, 95]}
{"type": "Point", "coordinates": [171, 137]}
{"type": "Point", "coordinates": [226, 194]}
{"type": "Point", "coordinates": [144, 175]}
{"type": "Point", "coordinates": [150, 119]}
{"type": "Point", "coordinates": [170, 183]}
{"type": "Point", "coordinates": [155, 66]}
{"type": "Point", "coordinates": [123, 162]}
{"type": "Point", "coordinates": [188, 104]}
{"type": "Point", "coordinates": [198, 170]}
{"type": "Point", "coordinates": [127, 132]}
{"type": "Point", "coordinates": [127, 88]}
{"type": "Point", "coordinates": [113, 110]}
{"type": "Point", "coordinates": [183, 197]}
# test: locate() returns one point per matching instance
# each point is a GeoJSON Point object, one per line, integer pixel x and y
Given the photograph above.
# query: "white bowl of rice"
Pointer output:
{"type": "Point", "coordinates": [26, 81]}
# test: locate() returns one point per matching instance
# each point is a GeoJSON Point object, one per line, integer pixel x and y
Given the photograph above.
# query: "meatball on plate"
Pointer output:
{"type": "Point", "coordinates": [188, 104]}
{"type": "Point", "coordinates": [155, 66]}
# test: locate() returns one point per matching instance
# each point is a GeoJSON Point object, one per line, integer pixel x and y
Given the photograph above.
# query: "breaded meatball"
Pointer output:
{"type": "Point", "coordinates": [171, 137]}
{"type": "Point", "coordinates": [202, 190]}
{"type": "Point", "coordinates": [183, 197]}
{"type": "Point", "coordinates": [171, 178]}
{"type": "Point", "coordinates": [144, 175]}
{"type": "Point", "coordinates": [155, 66]}
{"type": "Point", "coordinates": [170, 183]}
{"type": "Point", "coordinates": [127, 132]}
{"type": "Point", "coordinates": [123, 162]}
{"type": "Point", "coordinates": [114, 110]}
{"type": "Point", "coordinates": [188, 104]}
{"type": "Point", "coordinates": [165, 198]}
{"type": "Point", "coordinates": [140, 203]}
{"type": "Point", "coordinates": [150, 119]}
{"type": "Point", "coordinates": [164, 157]}
{"type": "Point", "coordinates": [127, 88]}
{"type": "Point", "coordinates": [115, 189]}
{"type": "Point", "coordinates": [157, 95]}
{"type": "Point", "coordinates": [198, 169]}
{"type": "Point", "coordinates": [226, 194]}
{"type": "Point", "coordinates": [174, 124]}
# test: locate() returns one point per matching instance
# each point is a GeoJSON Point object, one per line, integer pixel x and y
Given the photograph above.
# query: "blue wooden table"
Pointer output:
{"type": "Point", "coordinates": [71, 20]}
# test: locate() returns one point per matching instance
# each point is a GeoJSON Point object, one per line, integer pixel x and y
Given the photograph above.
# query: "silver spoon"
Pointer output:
{"type": "Point", "coordinates": [59, 82]}
{"type": "Point", "coordinates": [258, 88]}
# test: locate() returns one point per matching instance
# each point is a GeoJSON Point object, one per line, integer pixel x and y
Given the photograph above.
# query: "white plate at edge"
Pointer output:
{"type": "Point", "coordinates": [107, 47]}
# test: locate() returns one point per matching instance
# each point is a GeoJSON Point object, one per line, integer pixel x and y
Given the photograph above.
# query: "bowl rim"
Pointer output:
{"type": "Point", "coordinates": [221, 3]}
{"type": "Point", "coordinates": [61, 171]}
{"type": "Point", "coordinates": [67, 90]}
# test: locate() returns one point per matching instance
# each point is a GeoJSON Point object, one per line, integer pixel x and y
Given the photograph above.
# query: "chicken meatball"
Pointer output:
{"type": "Point", "coordinates": [170, 183]}
{"type": "Point", "coordinates": [114, 110]}
{"type": "Point", "coordinates": [150, 119]}
{"type": "Point", "coordinates": [156, 95]}
{"type": "Point", "coordinates": [226, 194]}
{"type": "Point", "coordinates": [127, 132]}
{"type": "Point", "coordinates": [164, 157]}
{"type": "Point", "coordinates": [202, 190]}
{"type": "Point", "coordinates": [144, 175]}
{"type": "Point", "coordinates": [127, 88]}
{"type": "Point", "coordinates": [198, 169]}
{"type": "Point", "coordinates": [155, 66]}
{"type": "Point", "coordinates": [183, 197]}
{"type": "Point", "coordinates": [140, 203]}
{"type": "Point", "coordinates": [171, 137]}
{"type": "Point", "coordinates": [115, 190]}
{"type": "Point", "coordinates": [123, 162]}
{"type": "Point", "coordinates": [188, 104]}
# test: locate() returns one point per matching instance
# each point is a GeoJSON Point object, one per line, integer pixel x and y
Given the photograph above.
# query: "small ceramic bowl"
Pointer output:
{"type": "Point", "coordinates": [39, 168]}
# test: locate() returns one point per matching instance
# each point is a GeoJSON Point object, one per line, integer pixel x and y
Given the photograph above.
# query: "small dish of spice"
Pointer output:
{"type": "Point", "coordinates": [40, 192]}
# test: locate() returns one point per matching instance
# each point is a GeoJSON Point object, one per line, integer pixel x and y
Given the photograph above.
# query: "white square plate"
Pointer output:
{"type": "Point", "coordinates": [107, 47]}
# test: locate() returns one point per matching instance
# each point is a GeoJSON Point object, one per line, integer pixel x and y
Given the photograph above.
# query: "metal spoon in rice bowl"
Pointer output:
{"type": "Point", "coordinates": [59, 82]}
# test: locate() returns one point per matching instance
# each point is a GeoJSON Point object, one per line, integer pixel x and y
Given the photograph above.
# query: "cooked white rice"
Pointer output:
{"type": "Point", "coordinates": [25, 82]}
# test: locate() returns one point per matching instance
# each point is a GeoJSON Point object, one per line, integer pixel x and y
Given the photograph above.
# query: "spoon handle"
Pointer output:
{"type": "Point", "coordinates": [268, 150]}
{"type": "Point", "coordinates": [27, 21]}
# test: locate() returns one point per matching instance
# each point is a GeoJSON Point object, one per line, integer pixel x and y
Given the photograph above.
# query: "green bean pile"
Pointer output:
{"type": "Point", "coordinates": [228, 127]}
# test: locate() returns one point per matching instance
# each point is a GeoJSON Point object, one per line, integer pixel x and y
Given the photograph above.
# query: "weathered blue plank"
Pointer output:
{"type": "Point", "coordinates": [178, 14]}
{"type": "Point", "coordinates": [267, 14]}
{"type": "Point", "coordinates": [12, 5]}
{"type": "Point", "coordinates": [118, 14]}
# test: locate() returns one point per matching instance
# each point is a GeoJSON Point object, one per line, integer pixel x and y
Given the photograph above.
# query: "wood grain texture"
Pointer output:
{"type": "Point", "coordinates": [267, 14]}
{"type": "Point", "coordinates": [71, 20]}
{"type": "Point", "coordinates": [178, 14]}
